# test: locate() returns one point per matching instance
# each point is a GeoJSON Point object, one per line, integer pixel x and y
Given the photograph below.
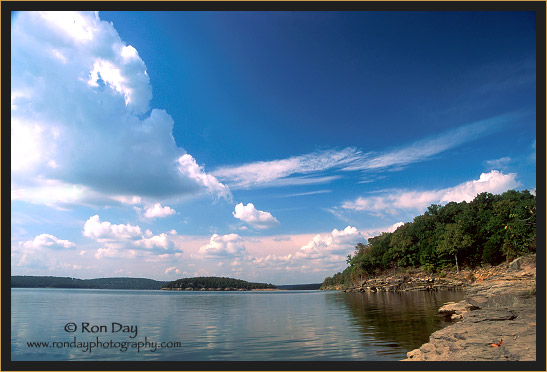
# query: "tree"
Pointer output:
{"type": "Point", "coordinates": [454, 241]}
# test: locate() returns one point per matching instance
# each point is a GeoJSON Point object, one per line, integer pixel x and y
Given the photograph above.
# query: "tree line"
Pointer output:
{"type": "Point", "coordinates": [99, 283]}
{"type": "Point", "coordinates": [488, 230]}
{"type": "Point", "coordinates": [214, 282]}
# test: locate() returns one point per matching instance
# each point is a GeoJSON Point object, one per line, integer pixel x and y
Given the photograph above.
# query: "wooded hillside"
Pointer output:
{"type": "Point", "coordinates": [488, 230]}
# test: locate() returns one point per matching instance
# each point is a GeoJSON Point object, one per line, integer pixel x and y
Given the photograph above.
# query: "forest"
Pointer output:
{"type": "Point", "coordinates": [99, 283]}
{"type": "Point", "coordinates": [488, 230]}
{"type": "Point", "coordinates": [214, 282]}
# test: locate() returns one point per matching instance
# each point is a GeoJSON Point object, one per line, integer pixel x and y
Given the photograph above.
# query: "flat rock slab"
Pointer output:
{"type": "Point", "coordinates": [458, 308]}
{"type": "Point", "coordinates": [498, 321]}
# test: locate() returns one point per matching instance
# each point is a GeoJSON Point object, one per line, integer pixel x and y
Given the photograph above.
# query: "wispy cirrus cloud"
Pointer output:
{"type": "Point", "coordinates": [498, 163]}
{"type": "Point", "coordinates": [296, 170]}
{"type": "Point", "coordinates": [306, 193]}
{"type": "Point", "coordinates": [426, 148]}
{"type": "Point", "coordinates": [275, 172]}
{"type": "Point", "coordinates": [494, 182]}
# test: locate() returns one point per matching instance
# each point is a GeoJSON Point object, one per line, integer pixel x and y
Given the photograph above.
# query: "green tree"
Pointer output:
{"type": "Point", "coordinates": [453, 242]}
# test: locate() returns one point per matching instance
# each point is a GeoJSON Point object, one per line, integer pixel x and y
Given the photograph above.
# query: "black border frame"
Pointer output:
{"type": "Point", "coordinates": [539, 7]}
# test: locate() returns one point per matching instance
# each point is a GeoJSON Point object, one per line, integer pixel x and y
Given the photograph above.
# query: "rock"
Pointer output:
{"type": "Point", "coordinates": [456, 308]}
{"type": "Point", "coordinates": [497, 320]}
{"type": "Point", "coordinates": [515, 265]}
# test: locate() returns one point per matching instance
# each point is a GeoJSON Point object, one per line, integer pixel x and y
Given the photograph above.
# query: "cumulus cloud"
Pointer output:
{"type": "Point", "coordinates": [231, 245]}
{"type": "Point", "coordinates": [336, 243]}
{"type": "Point", "coordinates": [102, 231]}
{"type": "Point", "coordinates": [158, 211]}
{"type": "Point", "coordinates": [80, 117]}
{"type": "Point", "coordinates": [172, 270]}
{"type": "Point", "coordinates": [494, 182]}
{"type": "Point", "coordinates": [48, 241]}
{"type": "Point", "coordinates": [59, 194]}
{"type": "Point", "coordinates": [128, 241]}
{"type": "Point", "coordinates": [35, 252]}
{"type": "Point", "coordinates": [257, 219]}
{"type": "Point", "coordinates": [157, 241]}
{"type": "Point", "coordinates": [272, 261]}
{"type": "Point", "coordinates": [324, 253]}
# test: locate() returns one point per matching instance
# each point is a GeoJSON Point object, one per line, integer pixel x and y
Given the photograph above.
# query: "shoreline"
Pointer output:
{"type": "Point", "coordinates": [496, 321]}
{"type": "Point", "coordinates": [220, 289]}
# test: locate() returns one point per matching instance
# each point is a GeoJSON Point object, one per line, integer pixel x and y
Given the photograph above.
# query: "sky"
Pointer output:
{"type": "Point", "coordinates": [255, 145]}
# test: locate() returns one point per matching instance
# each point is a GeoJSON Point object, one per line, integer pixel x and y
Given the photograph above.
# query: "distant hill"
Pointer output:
{"type": "Point", "coordinates": [198, 283]}
{"type": "Point", "coordinates": [99, 283]}
{"type": "Point", "coordinates": [299, 287]}
{"type": "Point", "coordinates": [215, 283]}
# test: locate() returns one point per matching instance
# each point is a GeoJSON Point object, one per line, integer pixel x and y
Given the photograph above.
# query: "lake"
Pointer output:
{"type": "Point", "coordinates": [87, 324]}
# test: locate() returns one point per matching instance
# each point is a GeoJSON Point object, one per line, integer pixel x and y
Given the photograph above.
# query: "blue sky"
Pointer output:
{"type": "Point", "coordinates": [256, 145]}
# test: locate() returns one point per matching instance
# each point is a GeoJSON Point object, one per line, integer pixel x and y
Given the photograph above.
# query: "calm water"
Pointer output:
{"type": "Point", "coordinates": [283, 325]}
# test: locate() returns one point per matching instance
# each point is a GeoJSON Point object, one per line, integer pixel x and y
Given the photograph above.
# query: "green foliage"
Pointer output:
{"type": "Point", "coordinates": [99, 283]}
{"type": "Point", "coordinates": [488, 230]}
{"type": "Point", "coordinates": [214, 282]}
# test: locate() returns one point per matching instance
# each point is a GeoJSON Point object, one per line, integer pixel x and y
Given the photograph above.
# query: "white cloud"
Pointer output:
{"type": "Point", "coordinates": [230, 245]}
{"type": "Point", "coordinates": [498, 163]}
{"type": "Point", "coordinates": [128, 241]}
{"type": "Point", "coordinates": [281, 172]}
{"type": "Point", "coordinates": [306, 193]}
{"type": "Point", "coordinates": [426, 148]}
{"type": "Point", "coordinates": [104, 231]}
{"type": "Point", "coordinates": [86, 123]}
{"type": "Point", "coordinates": [37, 252]}
{"type": "Point", "coordinates": [394, 227]}
{"type": "Point", "coordinates": [494, 182]}
{"type": "Point", "coordinates": [73, 24]}
{"type": "Point", "coordinates": [172, 270]}
{"type": "Point", "coordinates": [48, 241]}
{"type": "Point", "coordinates": [189, 168]}
{"type": "Point", "coordinates": [158, 211]}
{"type": "Point", "coordinates": [157, 241]}
{"type": "Point", "coordinates": [61, 195]}
{"type": "Point", "coordinates": [255, 218]}
{"type": "Point", "coordinates": [322, 255]}
{"type": "Point", "coordinates": [265, 172]}
{"type": "Point", "coordinates": [109, 251]}
{"type": "Point", "coordinates": [335, 244]}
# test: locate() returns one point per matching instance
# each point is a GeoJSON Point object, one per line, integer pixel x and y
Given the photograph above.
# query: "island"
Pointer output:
{"type": "Point", "coordinates": [213, 283]}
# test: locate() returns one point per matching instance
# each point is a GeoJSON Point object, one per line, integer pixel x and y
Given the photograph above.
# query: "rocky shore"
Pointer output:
{"type": "Point", "coordinates": [413, 280]}
{"type": "Point", "coordinates": [495, 322]}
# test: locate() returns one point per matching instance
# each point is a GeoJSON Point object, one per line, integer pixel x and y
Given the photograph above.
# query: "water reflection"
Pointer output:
{"type": "Point", "coordinates": [292, 325]}
{"type": "Point", "coordinates": [400, 321]}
